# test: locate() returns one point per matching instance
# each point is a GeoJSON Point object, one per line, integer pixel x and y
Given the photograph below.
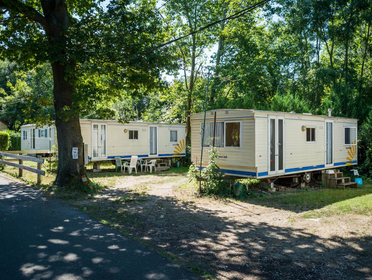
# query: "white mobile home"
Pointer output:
{"type": "Point", "coordinates": [38, 138]}
{"type": "Point", "coordinates": [105, 140]}
{"type": "Point", "coordinates": [263, 144]}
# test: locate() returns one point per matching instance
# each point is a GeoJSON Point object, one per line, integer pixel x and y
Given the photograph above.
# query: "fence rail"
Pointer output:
{"type": "Point", "coordinates": [20, 165]}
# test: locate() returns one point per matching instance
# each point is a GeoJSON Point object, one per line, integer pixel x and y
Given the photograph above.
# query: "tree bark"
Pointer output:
{"type": "Point", "coordinates": [190, 91]}
{"type": "Point", "coordinates": [67, 113]}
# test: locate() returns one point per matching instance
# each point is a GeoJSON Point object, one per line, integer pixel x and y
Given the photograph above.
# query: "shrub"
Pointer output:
{"type": "Point", "coordinates": [4, 141]}
{"type": "Point", "coordinates": [15, 141]}
{"type": "Point", "coordinates": [212, 176]}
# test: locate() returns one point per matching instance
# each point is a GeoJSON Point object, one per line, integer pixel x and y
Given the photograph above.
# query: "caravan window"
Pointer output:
{"type": "Point", "coordinates": [133, 134]}
{"type": "Point", "coordinates": [41, 133]}
{"type": "Point", "coordinates": [310, 134]}
{"type": "Point", "coordinates": [350, 135]}
{"type": "Point", "coordinates": [24, 134]}
{"type": "Point", "coordinates": [232, 134]}
{"type": "Point", "coordinates": [173, 136]}
{"type": "Point", "coordinates": [208, 135]}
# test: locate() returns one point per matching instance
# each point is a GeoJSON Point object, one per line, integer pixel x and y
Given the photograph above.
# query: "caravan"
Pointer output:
{"type": "Point", "coordinates": [263, 144]}
{"type": "Point", "coordinates": [105, 140]}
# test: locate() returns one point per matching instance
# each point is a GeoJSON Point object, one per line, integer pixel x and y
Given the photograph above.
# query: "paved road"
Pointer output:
{"type": "Point", "coordinates": [47, 239]}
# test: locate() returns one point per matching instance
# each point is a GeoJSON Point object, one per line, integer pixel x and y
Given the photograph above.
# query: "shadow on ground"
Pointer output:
{"type": "Point", "coordinates": [47, 239]}
{"type": "Point", "coordinates": [204, 240]}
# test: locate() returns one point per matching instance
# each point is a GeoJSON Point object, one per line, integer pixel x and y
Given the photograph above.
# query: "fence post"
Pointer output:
{"type": "Point", "coordinates": [38, 175]}
{"type": "Point", "coordinates": [20, 170]}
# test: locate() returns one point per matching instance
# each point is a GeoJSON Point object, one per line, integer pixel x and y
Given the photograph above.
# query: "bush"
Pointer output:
{"type": "Point", "coordinates": [212, 176]}
{"type": "Point", "coordinates": [15, 141]}
{"type": "Point", "coordinates": [365, 148]}
{"type": "Point", "coordinates": [4, 140]}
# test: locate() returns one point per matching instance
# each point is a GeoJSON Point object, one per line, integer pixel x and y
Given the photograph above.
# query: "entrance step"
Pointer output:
{"type": "Point", "coordinates": [333, 182]}
{"type": "Point", "coordinates": [349, 185]}
{"type": "Point", "coordinates": [337, 180]}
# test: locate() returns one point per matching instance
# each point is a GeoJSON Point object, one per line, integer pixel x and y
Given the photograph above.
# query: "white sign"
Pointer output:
{"type": "Point", "coordinates": [74, 153]}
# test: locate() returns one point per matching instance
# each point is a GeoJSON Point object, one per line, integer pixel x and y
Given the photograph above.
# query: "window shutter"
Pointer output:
{"type": "Point", "coordinates": [46, 133]}
{"type": "Point", "coordinates": [39, 133]}
{"type": "Point", "coordinates": [24, 135]}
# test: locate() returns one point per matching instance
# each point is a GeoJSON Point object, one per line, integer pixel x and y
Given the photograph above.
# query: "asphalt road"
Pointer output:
{"type": "Point", "coordinates": [47, 239]}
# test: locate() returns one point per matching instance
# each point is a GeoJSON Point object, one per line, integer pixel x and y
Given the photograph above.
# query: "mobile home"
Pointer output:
{"type": "Point", "coordinates": [105, 140]}
{"type": "Point", "coordinates": [38, 138]}
{"type": "Point", "coordinates": [263, 144]}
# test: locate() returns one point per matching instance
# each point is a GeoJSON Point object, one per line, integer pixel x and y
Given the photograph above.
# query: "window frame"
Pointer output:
{"type": "Point", "coordinates": [201, 135]}
{"type": "Point", "coordinates": [133, 130]}
{"type": "Point", "coordinates": [315, 132]}
{"type": "Point", "coordinates": [224, 134]}
{"type": "Point", "coordinates": [356, 135]}
{"type": "Point", "coordinates": [170, 135]}
{"type": "Point", "coordinates": [240, 134]}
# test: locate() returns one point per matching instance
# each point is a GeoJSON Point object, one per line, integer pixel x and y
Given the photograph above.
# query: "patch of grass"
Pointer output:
{"type": "Point", "coordinates": [361, 205]}
{"type": "Point", "coordinates": [322, 202]}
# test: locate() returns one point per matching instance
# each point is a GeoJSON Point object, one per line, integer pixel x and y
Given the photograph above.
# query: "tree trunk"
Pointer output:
{"type": "Point", "coordinates": [190, 91]}
{"type": "Point", "coordinates": [68, 130]}
{"type": "Point", "coordinates": [221, 40]}
{"type": "Point", "coordinates": [67, 113]}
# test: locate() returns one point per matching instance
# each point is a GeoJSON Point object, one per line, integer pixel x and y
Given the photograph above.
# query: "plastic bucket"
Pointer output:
{"type": "Point", "coordinates": [238, 190]}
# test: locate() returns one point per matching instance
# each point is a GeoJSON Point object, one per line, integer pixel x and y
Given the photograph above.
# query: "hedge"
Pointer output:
{"type": "Point", "coordinates": [4, 140]}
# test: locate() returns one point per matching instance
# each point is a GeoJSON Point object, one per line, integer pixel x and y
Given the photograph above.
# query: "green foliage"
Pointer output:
{"type": "Point", "coordinates": [15, 140]}
{"type": "Point", "coordinates": [250, 182]}
{"type": "Point", "coordinates": [4, 140]}
{"type": "Point", "coordinates": [365, 147]}
{"type": "Point", "coordinates": [213, 183]}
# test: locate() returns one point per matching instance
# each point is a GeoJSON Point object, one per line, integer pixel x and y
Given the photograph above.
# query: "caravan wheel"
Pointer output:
{"type": "Point", "coordinates": [307, 177]}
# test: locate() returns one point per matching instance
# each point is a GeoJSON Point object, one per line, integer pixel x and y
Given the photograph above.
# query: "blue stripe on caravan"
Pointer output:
{"type": "Point", "coordinates": [236, 172]}
{"type": "Point", "coordinates": [171, 155]}
{"type": "Point", "coordinates": [344, 163]}
{"type": "Point", "coordinates": [305, 168]}
{"type": "Point", "coordinates": [261, 174]}
{"type": "Point", "coordinates": [146, 156]}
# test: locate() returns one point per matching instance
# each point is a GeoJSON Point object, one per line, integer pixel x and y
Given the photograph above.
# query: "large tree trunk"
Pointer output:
{"type": "Point", "coordinates": [67, 113]}
{"type": "Point", "coordinates": [68, 129]}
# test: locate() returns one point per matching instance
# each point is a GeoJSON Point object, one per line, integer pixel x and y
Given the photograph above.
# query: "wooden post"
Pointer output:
{"type": "Point", "coordinates": [20, 170]}
{"type": "Point", "coordinates": [38, 175]}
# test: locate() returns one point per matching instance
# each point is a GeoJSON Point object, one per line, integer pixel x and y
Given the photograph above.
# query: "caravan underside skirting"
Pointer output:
{"type": "Point", "coordinates": [265, 174]}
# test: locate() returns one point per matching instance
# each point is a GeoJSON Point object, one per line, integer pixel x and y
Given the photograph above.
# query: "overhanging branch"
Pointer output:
{"type": "Point", "coordinates": [20, 8]}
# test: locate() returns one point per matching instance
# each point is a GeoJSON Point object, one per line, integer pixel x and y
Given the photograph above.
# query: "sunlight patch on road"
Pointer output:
{"type": "Point", "coordinates": [58, 241]}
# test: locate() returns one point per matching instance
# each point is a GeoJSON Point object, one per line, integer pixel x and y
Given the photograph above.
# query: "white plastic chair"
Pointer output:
{"type": "Point", "coordinates": [133, 164]}
{"type": "Point", "coordinates": [151, 164]}
{"type": "Point", "coordinates": [118, 164]}
{"type": "Point", "coordinates": [142, 163]}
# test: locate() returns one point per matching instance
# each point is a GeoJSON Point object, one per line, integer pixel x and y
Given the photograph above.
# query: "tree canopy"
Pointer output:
{"type": "Point", "coordinates": [302, 55]}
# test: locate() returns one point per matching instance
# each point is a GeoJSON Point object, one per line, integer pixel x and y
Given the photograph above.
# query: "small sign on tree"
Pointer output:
{"type": "Point", "coordinates": [74, 153]}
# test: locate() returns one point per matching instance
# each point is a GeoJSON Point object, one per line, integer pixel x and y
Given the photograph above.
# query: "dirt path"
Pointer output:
{"type": "Point", "coordinates": [232, 239]}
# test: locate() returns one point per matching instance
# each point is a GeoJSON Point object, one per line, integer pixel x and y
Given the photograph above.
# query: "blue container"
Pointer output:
{"type": "Point", "coordinates": [359, 181]}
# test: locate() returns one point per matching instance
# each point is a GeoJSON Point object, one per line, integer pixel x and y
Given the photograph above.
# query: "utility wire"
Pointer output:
{"type": "Point", "coordinates": [233, 16]}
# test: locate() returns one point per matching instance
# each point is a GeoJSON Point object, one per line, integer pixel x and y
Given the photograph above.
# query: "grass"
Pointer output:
{"type": "Point", "coordinates": [322, 202]}
{"type": "Point", "coordinates": [309, 202]}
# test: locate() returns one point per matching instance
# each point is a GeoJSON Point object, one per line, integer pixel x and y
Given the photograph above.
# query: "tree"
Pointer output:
{"type": "Point", "coordinates": [27, 97]}
{"type": "Point", "coordinates": [92, 53]}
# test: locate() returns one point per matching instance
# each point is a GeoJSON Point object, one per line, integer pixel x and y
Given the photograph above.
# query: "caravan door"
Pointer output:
{"type": "Point", "coordinates": [99, 141]}
{"type": "Point", "coordinates": [329, 140]}
{"type": "Point", "coordinates": [276, 145]}
{"type": "Point", "coordinates": [153, 141]}
{"type": "Point", "coordinates": [33, 138]}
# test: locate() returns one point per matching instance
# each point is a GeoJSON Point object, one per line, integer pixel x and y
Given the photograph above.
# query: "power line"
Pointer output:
{"type": "Point", "coordinates": [233, 16]}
